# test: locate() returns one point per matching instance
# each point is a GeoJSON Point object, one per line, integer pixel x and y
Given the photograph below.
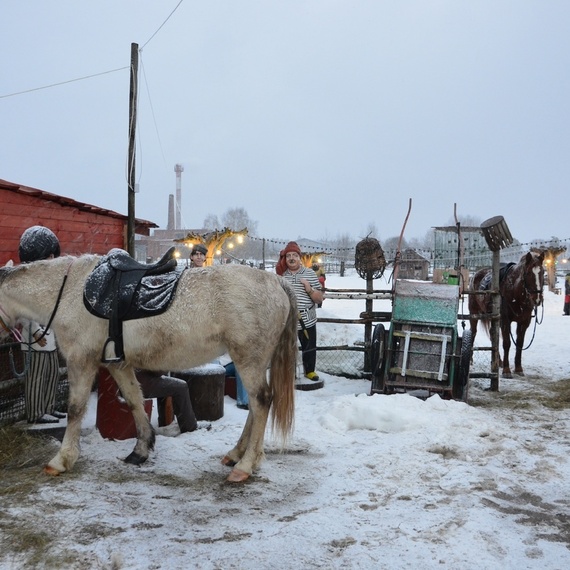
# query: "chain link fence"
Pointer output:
{"type": "Point", "coordinates": [345, 361]}
{"type": "Point", "coordinates": [12, 379]}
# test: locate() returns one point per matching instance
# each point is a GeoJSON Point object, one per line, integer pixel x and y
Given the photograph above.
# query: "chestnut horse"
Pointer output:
{"type": "Point", "coordinates": [520, 286]}
{"type": "Point", "coordinates": [248, 313]}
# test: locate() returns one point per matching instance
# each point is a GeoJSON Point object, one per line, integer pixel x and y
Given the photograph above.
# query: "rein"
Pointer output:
{"type": "Point", "coordinates": [59, 295]}
{"type": "Point", "coordinates": [528, 293]}
{"type": "Point", "coordinates": [536, 322]}
{"type": "Point", "coordinates": [16, 334]}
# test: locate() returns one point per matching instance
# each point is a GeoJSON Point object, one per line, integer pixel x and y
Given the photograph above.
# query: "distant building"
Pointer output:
{"type": "Point", "coordinates": [413, 266]}
{"type": "Point", "coordinates": [476, 252]}
{"type": "Point", "coordinates": [156, 245]}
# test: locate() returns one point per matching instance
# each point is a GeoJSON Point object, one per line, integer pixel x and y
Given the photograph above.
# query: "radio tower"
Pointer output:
{"type": "Point", "coordinates": [179, 169]}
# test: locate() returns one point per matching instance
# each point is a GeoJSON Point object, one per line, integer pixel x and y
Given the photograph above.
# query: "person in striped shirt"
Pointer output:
{"type": "Point", "coordinates": [308, 292]}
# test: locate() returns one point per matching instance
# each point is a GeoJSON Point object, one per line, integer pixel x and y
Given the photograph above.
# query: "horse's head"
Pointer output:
{"type": "Point", "coordinates": [7, 322]}
{"type": "Point", "coordinates": [533, 276]}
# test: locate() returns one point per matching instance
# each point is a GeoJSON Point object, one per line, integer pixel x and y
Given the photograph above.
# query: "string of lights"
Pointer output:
{"type": "Point", "coordinates": [428, 253]}
{"type": "Point", "coordinates": [305, 246]}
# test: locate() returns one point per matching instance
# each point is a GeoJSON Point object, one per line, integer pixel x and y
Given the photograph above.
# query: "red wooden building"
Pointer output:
{"type": "Point", "coordinates": [80, 228]}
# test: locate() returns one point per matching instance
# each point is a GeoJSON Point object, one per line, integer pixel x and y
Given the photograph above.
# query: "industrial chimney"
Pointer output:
{"type": "Point", "coordinates": [170, 223]}
{"type": "Point", "coordinates": [179, 169]}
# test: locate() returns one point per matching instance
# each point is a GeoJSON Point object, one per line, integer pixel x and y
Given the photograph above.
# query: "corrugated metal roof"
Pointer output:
{"type": "Point", "coordinates": [69, 202]}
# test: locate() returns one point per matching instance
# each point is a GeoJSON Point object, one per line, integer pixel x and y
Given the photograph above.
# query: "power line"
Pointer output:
{"type": "Point", "coordinates": [152, 112]}
{"type": "Point", "coordinates": [63, 82]}
{"type": "Point", "coordinates": [161, 25]}
{"type": "Point", "coordinates": [95, 74]}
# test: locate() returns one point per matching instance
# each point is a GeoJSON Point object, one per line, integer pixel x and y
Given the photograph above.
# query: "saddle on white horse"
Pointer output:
{"type": "Point", "coordinates": [120, 289]}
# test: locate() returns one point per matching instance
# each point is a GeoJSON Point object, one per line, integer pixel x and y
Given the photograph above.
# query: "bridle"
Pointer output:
{"type": "Point", "coordinates": [16, 333]}
{"type": "Point", "coordinates": [530, 293]}
{"type": "Point", "coordinates": [11, 331]}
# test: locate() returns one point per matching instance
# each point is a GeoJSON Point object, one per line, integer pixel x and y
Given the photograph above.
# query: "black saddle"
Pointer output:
{"type": "Point", "coordinates": [121, 289]}
{"type": "Point", "coordinates": [503, 271]}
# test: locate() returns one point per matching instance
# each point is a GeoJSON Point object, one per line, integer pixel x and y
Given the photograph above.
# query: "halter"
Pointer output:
{"type": "Point", "coordinates": [529, 293]}
{"type": "Point", "coordinates": [19, 338]}
{"type": "Point", "coordinates": [527, 290]}
{"type": "Point", "coordinates": [15, 332]}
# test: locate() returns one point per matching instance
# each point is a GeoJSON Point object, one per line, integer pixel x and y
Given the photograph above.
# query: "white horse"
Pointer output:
{"type": "Point", "coordinates": [248, 313]}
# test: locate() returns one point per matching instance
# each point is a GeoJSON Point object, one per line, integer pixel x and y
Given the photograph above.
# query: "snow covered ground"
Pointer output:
{"type": "Point", "coordinates": [366, 482]}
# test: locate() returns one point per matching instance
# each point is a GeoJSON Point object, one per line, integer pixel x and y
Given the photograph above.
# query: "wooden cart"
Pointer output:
{"type": "Point", "coordinates": [422, 349]}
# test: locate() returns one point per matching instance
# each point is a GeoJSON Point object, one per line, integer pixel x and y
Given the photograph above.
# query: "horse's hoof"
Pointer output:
{"type": "Point", "coordinates": [135, 459]}
{"type": "Point", "coordinates": [237, 476]}
{"type": "Point", "coordinates": [227, 460]}
{"type": "Point", "coordinates": [49, 470]}
{"type": "Point", "coordinates": [507, 375]}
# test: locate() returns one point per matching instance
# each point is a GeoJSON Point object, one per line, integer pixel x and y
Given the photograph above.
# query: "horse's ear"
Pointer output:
{"type": "Point", "coordinates": [9, 263]}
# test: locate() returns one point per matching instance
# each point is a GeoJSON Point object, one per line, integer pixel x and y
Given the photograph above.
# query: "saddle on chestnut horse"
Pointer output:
{"type": "Point", "coordinates": [121, 289]}
{"type": "Point", "coordinates": [504, 269]}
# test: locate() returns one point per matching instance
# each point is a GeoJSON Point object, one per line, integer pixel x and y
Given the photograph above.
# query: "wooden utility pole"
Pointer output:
{"type": "Point", "coordinates": [132, 146]}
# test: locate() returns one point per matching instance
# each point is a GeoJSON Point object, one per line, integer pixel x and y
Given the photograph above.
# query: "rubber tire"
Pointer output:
{"type": "Point", "coordinates": [461, 383]}
{"type": "Point", "coordinates": [377, 358]}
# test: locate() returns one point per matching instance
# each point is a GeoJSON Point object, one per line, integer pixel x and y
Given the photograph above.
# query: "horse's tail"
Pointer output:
{"type": "Point", "coordinates": [282, 371]}
{"type": "Point", "coordinates": [479, 305]}
{"type": "Point", "coordinates": [486, 325]}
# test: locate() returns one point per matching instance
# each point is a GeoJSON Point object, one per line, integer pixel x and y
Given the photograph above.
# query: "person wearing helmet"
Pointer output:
{"type": "Point", "coordinates": [39, 346]}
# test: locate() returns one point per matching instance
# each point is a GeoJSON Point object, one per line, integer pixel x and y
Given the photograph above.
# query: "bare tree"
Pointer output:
{"type": "Point", "coordinates": [211, 222]}
{"type": "Point", "coordinates": [391, 244]}
{"type": "Point", "coordinates": [467, 221]}
{"type": "Point", "coordinates": [372, 231]}
{"type": "Point", "coordinates": [344, 244]}
{"type": "Point", "coordinates": [237, 219]}
{"type": "Point", "coordinates": [425, 243]}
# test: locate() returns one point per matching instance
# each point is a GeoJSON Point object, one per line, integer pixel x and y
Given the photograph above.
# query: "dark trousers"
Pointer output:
{"type": "Point", "coordinates": [40, 387]}
{"type": "Point", "coordinates": [308, 340]}
{"type": "Point", "coordinates": [157, 385]}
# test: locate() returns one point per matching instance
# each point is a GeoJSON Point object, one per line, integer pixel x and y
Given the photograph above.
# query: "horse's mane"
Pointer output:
{"type": "Point", "coordinates": [536, 256]}
{"type": "Point", "coordinates": [5, 271]}
{"type": "Point", "coordinates": [65, 260]}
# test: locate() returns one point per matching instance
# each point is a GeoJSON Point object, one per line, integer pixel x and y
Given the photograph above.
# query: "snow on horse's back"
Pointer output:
{"type": "Point", "coordinates": [249, 313]}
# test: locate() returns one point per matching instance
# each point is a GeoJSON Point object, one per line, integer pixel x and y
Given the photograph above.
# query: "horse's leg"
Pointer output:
{"type": "Point", "coordinates": [521, 330]}
{"type": "Point", "coordinates": [132, 393]}
{"type": "Point", "coordinates": [248, 451]}
{"type": "Point", "coordinates": [233, 456]}
{"type": "Point", "coordinates": [81, 377]}
{"type": "Point", "coordinates": [506, 333]}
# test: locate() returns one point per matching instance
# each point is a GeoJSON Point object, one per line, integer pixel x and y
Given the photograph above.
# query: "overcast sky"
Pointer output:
{"type": "Point", "coordinates": [319, 117]}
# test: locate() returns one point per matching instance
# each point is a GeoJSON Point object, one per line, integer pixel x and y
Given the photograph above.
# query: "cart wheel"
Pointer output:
{"type": "Point", "coordinates": [461, 386]}
{"type": "Point", "coordinates": [377, 359]}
